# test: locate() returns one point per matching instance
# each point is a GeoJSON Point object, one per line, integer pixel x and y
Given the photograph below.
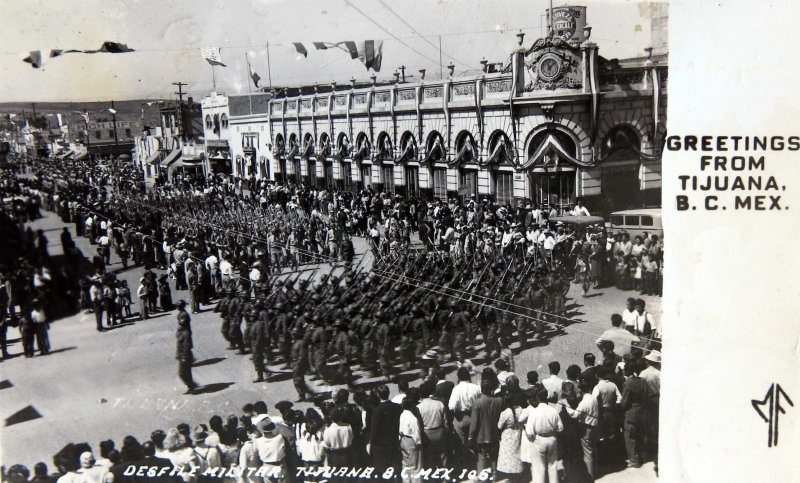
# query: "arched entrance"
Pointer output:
{"type": "Point", "coordinates": [552, 167]}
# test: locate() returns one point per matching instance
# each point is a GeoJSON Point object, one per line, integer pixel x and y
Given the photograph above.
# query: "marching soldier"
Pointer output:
{"type": "Point", "coordinates": [319, 342]}
{"type": "Point", "coordinates": [235, 325]}
{"type": "Point", "coordinates": [184, 348]}
{"type": "Point", "coordinates": [222, 308]}
{"type": "Point", "coordinates": [458, 323]}
{"type": "Point", "coordinates": [299, 360]}
{"type": "Point", "coordinates": [258, 340]}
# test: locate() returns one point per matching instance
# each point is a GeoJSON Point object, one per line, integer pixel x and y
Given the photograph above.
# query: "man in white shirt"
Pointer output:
{"type": "Point", "coordinates": [434, 419]}
{"type": "Point", "coordinates": [410, 438]}
{"type": "Point", "coordinates": [464, 394]}
{"type": "Point", "coordinates": [622, 339]}
{"type": "Point", "coordinates": [629, 315]}
{"type": "Point", "coordinates": [541, 428]}
{"type": "Point", "coordinates": [580, 210]}
{"type": "Point", "coordinates": [553, 383]}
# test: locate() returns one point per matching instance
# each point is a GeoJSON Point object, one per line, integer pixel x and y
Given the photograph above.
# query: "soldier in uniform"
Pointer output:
{"type": "Point", "coordinates": [258, 340]}
{"type": "Point", "coordinates": [490, 320]}
{"type": "Point", "coordinates": [280, 333]}
{"type": "Point", "coordinates": [222, 309]}
{"type": "Point", "coordinates": [251, 312]}
{"type": "Point", "coordinates": [382, 335]}
{"type": "Point", "coordinates": [459, 320]}
{"type": "Point", "coordinates": [184, 348]}
{"type": "Point", "coordinates": [319, 341]}
{"type": "Point", "coordinates": [235, 324]}
{"type": "Point", "coordinates": [299, 363]}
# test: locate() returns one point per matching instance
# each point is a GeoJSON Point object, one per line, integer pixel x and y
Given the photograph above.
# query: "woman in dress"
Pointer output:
{"type": "Point", "coordinates": [509, 462]}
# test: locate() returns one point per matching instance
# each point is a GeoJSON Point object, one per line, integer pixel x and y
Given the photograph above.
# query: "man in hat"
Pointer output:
{"type": "Point", "coordinates": [271, 449]}
{"type": "Point", "coordinates": [194, 288]}
{"type": "Point", "coordinates": [184, 350]}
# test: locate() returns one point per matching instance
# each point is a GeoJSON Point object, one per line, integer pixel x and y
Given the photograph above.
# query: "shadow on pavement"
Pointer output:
{"type": "Point", "coordinates": [208, 362]}
{"type": "Point", "coordinates": [28, 413]}
{"type": "Point", "coordinates": [215, 387]}
{"type": "Point", "coordinates": [62, 349]}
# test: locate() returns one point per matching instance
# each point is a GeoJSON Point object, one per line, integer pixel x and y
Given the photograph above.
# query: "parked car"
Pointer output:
{"type": "Point", "coordinates": [638, 222]}
{"type": "Point", "coordinates": [577, 223]}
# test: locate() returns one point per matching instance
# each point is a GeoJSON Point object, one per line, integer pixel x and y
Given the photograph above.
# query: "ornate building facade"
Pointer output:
{"type": "Point", "coordinates": [559, 124]}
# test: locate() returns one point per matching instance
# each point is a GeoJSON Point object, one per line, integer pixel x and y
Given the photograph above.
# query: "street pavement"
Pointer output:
{"type": "Point", "coordinates": [95, 386]}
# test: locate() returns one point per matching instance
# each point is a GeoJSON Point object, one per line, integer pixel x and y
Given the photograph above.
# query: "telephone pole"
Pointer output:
{"type": "Point", "coordinates": [180, 107]}
{"type": "Point", "coordinates": [180, 89]}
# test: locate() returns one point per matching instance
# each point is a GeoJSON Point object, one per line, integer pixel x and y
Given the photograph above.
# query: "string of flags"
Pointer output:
{"type": "Point", "coordinates": [369, 52]}
{"type": "Point", "coordinates": [36, 60]}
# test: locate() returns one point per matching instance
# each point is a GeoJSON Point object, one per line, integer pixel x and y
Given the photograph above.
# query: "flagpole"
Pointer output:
{"type": "Point", "coordinates": [247, 77]}
{"type": "Point", "coordinates": [269, 68]}
{"type": "Point", "coordinates": [214, 77]}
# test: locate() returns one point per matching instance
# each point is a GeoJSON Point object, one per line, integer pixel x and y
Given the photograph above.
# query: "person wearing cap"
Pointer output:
{"type": "Point", "coordinates": [184, 355]}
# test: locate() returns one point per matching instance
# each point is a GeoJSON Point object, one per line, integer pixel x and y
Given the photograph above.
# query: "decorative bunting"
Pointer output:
{"type": "Point", "coordinates": [34, 58]}
{"type": "Point", "coordinates": [371, 54]}
{"type": "Point", "coordinates": [300, 48]}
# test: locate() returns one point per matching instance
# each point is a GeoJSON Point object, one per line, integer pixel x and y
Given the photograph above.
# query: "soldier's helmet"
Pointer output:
{"type": "Point", "coordinates": [278, 306]}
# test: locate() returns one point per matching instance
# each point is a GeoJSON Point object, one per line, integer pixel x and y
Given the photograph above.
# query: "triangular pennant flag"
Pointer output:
{"type": "Point", "coordinates": [112, 48]}
{"type": "Point", "coordinates": [34, 58]}
{"type": "Point", "coordinates": [211, 54]}
{"type": "Point", "coordinates": [300, 48]}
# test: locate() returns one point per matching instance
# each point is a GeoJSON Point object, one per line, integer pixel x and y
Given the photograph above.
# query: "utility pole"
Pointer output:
{"type": "Point", "coordinates": [114, 120]}
{"type": "Point", "coordinates": [180, 107]}
{"type": "Point", "coordinates": [180, 89]}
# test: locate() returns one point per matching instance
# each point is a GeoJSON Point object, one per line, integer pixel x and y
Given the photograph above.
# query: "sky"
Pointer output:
{"type": "Point", "coordinates": [168, 35]}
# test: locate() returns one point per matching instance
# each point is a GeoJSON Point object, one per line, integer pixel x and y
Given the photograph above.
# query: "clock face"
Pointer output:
{"type": "Point", "coordinates": [549, 68]}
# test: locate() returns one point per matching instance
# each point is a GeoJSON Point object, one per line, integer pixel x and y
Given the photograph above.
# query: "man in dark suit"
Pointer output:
{"type": "Point", "coordinates": [443, 387]}
{"type": "Point", "coordinates": [384, 439]}
{"type": "Point", "coordinates": [483, 432]}
{"type": "Point", "coordinates": [634, 403]}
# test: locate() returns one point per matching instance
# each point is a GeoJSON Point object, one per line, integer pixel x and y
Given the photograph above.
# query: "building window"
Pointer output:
{"type": "Point", "coordinates": [97, 134]}
{"type": "Point", "coordinates": [127, 133]}
{"type": "Point", "coordinates": [440, 183]}
{"type": "Point", "coordinates": [312, 173]}
{"type": "Point", "coordinates": [412, 180]}
{"type": "Point", "coordinates": [468, 181]}
{"type": "Point", "coordinates": [366, 175]}
{"type": "Point", "coordinates": [503, 187]}
{"type": "Point", "coordinates": [224, 121]}
{"type": "Point", "coordinates": [347, 175]}
{"type": "Point", "coordinates": [387, 178]}
{"type": "Point", "coordinates": [329, 175]}
{"type": "Point", "coordinates": [111, 133]}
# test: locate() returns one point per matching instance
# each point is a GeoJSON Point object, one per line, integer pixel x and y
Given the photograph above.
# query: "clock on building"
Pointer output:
{"type": "Point", "coordinates": [549, 67]}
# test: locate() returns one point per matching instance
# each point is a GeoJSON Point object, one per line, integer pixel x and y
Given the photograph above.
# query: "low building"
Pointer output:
{"type": "Point", "coordinates": [174, 150]}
